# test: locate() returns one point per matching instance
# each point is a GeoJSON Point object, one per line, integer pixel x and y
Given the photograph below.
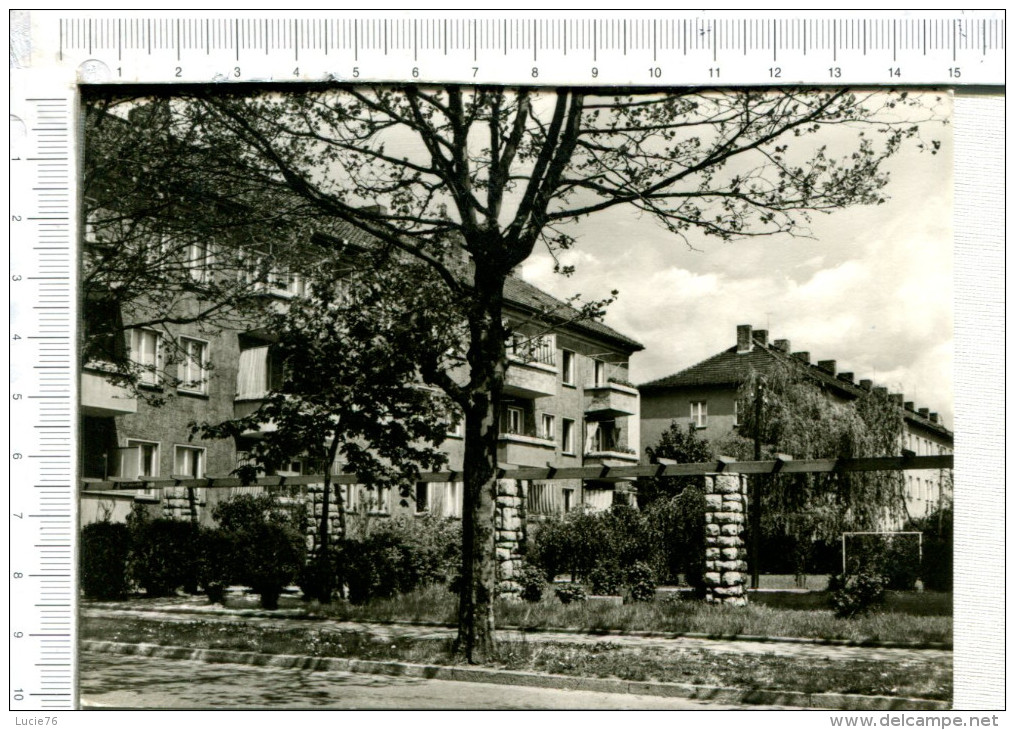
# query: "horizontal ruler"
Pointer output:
{"type": "Point", "coordinates": [534, 47]}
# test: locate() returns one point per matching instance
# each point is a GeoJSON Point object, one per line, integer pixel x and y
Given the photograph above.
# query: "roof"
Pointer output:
{"type": "Point", "coordinates": [517, 292]}
{"type": "Point", "coordinates": [521, 293]}
{"type": "Point", "coordinates": [726, 368]}
{"type": "Point", "coordinates": [730, 368]}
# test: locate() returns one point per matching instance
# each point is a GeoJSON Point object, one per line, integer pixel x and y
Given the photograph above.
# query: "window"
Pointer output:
{"type": "Point", "coordinates": [188, 461]}
{"type": "Point", "coordinates": [378, 499]}
{"type": "Point", "coordinates": [456, 429]}
{"type": "Point", "coordinates": [567, 367]}
{"type": "Point", "coordinates": [567, 435]}
{"type": "Point", "coordinates": [349, 494]}
{"type": "Point", "coordinates": [599, 372]}
{"type": "Point", "coordinates": [515, 420]}
{"type": "Point", "coordinates": [422, 492]}
{"type": "Point", "coordinates": [193, 373]}
{"type": "Point", "coordinates": [736, 412]}
{"type": "Point", "coordinates": [140, 459]}
{"type": "Point", "coordinates": [568, 499]}
{"type": "Point", "coordinates": [548, 427]}
{"type": "Point", "coordinates": [198, 261]}
{"type": "Point", "coordinates": [259, 371]}
{"type": "Point", "coordinates": [699, 413]}
{"type": "Point", "coordinates": [604, 437]}
{"type": "Point", "coordinates": [145, 352]}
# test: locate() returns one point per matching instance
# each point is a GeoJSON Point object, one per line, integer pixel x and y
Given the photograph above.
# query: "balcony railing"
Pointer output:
{"type": "Point", "coordinates": [540, 350]}
{"type": "Point", "coordinates": [530, 379]}
{"type": "Point", "coordinates": [103, 398]}
{"type": "Point", "coordinates": [610, 400]}
{"type": "Point", "coordinates": [519, 450]}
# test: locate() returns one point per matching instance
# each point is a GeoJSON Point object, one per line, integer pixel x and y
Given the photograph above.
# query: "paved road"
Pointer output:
{"type": "Point", "coordinates": [109, 681]}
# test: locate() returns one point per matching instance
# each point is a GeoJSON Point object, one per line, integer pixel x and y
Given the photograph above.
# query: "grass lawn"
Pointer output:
{"type": "Point", "coordinates": [907, 618]}
{"type": "Point", "coordinates": [929, 679]}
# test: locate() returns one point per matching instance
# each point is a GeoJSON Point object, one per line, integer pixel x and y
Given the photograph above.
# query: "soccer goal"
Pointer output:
{"type": "Point", "coordinates": [864, 543]}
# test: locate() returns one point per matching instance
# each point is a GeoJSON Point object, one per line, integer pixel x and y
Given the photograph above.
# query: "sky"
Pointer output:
{"type": "Point", "coordinates": [872, 289]}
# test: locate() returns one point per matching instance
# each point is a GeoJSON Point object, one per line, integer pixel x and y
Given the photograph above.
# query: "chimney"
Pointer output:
{"type": "Point", "coordinates": [896, 398]}
{"type": "Point", "coordinates": [377, 209]}
{"type": "Point", "coordinates": [880, 391]}
{"type": "Point", "coordinates": [908, 405]}
{"type": "Point", "coordinates": [743, 338]}
{"type": "Point", "coordinates": [866, 384]}
{"type": "Point", "coordinates": [827, 365]}
{"type": "Point", "coordinates": [804, 356]}
{"type": "Point", "coordinates": [761, 337]}
{"type": "Point", "coordinates": [847, 376]}
{"type": "Point", "coordinates": [781, 345]}
{"type": "Point", "coordinates": [925, 412]}
{"type": "Point", "coordinates": [933, 418]}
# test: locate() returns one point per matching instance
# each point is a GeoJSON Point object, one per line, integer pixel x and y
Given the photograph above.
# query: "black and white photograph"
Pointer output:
{"type": "Point", "coordinates": [424, 395]}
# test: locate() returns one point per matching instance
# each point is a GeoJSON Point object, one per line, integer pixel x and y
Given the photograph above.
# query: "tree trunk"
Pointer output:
{"type": "Point", "coordinates": [325, 581]}
{"type": "Point", "coordinates": [487, 359]}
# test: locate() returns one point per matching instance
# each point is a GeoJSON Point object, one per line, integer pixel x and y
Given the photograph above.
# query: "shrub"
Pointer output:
{"type": "Point", "coordinates": [163, 555]}
{"type": "Point", "coordinates": [275, 554]}
{"type": "Point", "coordinates": [678, 524]}
{"type": "Point", "coordinates": [856, 594]}
{"type": "Point", "coordinates": [372, 567]}
{"type": "Point", "coordinates": [605, 580]}
{"type": "Point", "coordinates": [319, 577]}
{"type": "Point", "coordinates": [571, 594]}
{"type": "Point", "coordinates": [901, 567]}
{"type": "Point", "coordinates": [401, 555]}
{"type": "Point", "coordinates": [641, 583]}
{"type": "Point", "coordinates": [216, 556]}
{"type": "Point", "coordinates": [532, 583]}
{"type": "Point", "coordinates": [269, 550]}
{"type": "Point", "coordinates": [936, 571]}
{"type": "Point", "coordinates": [104, 552]}
{"type": "Point", "coordinates": [895, 558]}
{"type": "Point", "coordinates": [584, 540]}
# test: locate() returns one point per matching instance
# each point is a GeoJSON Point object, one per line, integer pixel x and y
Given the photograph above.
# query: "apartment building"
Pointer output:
{"type": "Point", "coordinates": [705, 396]}
{"type": "Point", "coordinates": [568, 400]}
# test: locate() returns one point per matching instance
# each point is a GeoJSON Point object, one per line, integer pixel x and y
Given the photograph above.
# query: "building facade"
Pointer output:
{"type": "Point", "coordinates": [568, 402]}
{"type": "Point", "coordinates": [705, 397]}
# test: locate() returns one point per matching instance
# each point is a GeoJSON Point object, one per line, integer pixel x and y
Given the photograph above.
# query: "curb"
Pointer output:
{"type": "Point", "coordinates": [293, 614]}
{"type": "Point", "coordinates": [825, 701]}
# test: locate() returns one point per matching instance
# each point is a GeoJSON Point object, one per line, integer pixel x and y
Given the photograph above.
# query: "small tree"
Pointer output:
{"type": "Point", "coordinates": [352, 388]}
{"type": "Point", "coordinates": [682, 445]}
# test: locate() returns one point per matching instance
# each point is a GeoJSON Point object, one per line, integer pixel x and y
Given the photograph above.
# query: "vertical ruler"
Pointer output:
{"type": "Point", "coordinates": [42, 366]}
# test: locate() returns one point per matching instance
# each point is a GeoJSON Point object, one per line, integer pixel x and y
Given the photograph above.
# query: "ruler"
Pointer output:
{"type": "Point", "coordinates": [42, 497]}
{"type": "Point", "coordinates": [53, 52]}
{"type": "Point", "coordinates": [533, 47]}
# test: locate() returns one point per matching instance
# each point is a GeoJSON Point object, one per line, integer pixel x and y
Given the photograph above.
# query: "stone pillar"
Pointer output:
{"type": "Point", "coordinates": [314, 502]}
{"type": "Point", "coordinates": [510, 529]}
{"type": "Point", "coordinates": [725, 554]}
{"type": "Point", "coordinates": [180, 503]}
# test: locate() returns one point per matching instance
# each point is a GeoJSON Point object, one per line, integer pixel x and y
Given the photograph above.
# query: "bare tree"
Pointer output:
{"type": "Point", "coordinates": [497, 172]}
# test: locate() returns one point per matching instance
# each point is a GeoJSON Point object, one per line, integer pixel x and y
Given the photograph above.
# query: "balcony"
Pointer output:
{"type": "Point", "coordinates": [243, 407]}
{"type": "Point", "coordinates": [529, 379]}
{"type": "Point", "coordinates": [610, 400]}
{"type": "Point", "coordinates": [102, 398]}
{"type": "Point", "coordinates": [616, 456]}
{"type": "Point", "coordinates": [518, 450]}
